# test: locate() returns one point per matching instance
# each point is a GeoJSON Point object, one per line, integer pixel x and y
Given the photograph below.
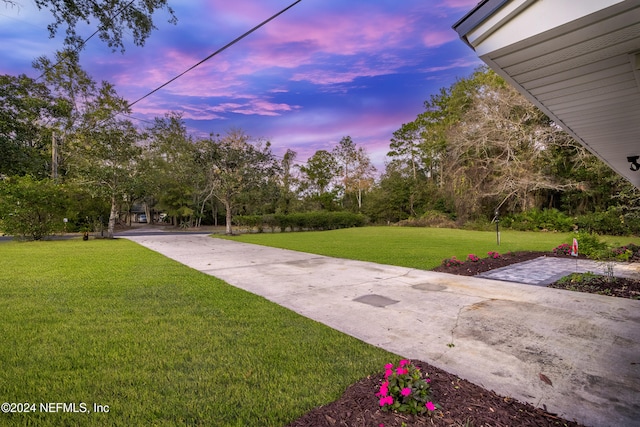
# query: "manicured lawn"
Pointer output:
{"type": "Point", "coordinates": [423, 248]}
{"type": "Point", "coordinates": [112, 323]}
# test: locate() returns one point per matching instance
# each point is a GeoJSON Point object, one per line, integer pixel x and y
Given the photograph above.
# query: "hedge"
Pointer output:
{"type": "Point", "coordinates": [300, 221]}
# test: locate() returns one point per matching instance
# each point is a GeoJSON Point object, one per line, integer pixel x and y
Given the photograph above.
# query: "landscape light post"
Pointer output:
{"type": "Point", "coordinates": [496, 218]}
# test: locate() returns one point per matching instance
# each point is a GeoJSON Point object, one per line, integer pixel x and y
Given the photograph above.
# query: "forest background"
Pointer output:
{"type": "Point", "coordinates": [72, 160]}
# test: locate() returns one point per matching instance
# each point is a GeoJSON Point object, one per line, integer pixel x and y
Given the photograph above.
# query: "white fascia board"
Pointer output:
{"type": "Point", "coordinates": [521, 19]}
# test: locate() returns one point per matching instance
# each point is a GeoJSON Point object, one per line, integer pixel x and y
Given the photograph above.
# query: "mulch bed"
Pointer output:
{"type": "Point", "coordinates": [469, 268]}
{"type": "Point", "coordinates": [462, 403]}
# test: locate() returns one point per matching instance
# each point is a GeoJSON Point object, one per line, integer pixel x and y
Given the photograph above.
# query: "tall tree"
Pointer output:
{"type": "Point", "coordinates": [345, 154]}
{"type": "Point", "coordinates": [362, 176]}
{"type": "Point", "coordinates": [175, 176]}
{"type": "Point", "coordinates": [355, 169]}
{"type": "Point", "coordinates": [27, 111]}
{"type": "Point", "coordinates": [495, 154]}
{"type": "Point", "coordinates": [104, 151]}
{"type": "Point", "coordinates": [72, 85]}
{"type": "Point", "coordinates": [287, 182]}
{"type": "Point", "coordinates": [318, 177]}
{"type": "Point", "coordinates": [237, 166]}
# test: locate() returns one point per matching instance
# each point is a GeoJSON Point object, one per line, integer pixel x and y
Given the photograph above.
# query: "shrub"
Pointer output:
{"type": "Point", "coordinates": [472, 258]}
{"type": "Point", "coordinates": [432, 219]}
{"type": "Point", "coordinates": [590, 245]}
{"type": "Point", "coordinates": [610, 222]}
{"type": "Point", "coordinates": [536, 219]}
{"type": "Point", "coordinates": [493, 255]}
{"type": "Point", "coordinates": [32, 209]}
{"type": "Point", "coordinates": [563, 249]}
{"type": "Point", "coordinates": [301, 221]}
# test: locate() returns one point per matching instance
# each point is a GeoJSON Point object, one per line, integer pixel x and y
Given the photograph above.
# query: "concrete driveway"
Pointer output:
{"type": "Point", "coordinates": [499, 335]}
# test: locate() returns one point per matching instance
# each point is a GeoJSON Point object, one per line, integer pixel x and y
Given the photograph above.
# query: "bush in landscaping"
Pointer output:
{"type": "Point", "coordinates": [451, 262]}
{"type": "Point", "coordinates": [301, 221]}
{"type": "Point", "coordinates": [536, 220]}
{"type": "Point", "coordinates": [612, 222]}
{"type": "Point", "coordinates": [590, 245]}
{"type": "Point", "coordinates": [32, 209]}
{"type": "Point", "coordinates": [433, 219]}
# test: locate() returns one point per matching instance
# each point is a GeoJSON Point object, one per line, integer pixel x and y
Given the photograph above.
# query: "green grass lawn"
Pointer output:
{"type": "Point", "coordinates": [112, 323]}
{"type": "Point", "coordinates": [423, 248]}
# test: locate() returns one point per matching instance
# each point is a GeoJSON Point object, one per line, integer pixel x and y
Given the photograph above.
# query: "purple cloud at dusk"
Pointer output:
{"type": "Point", "coordinates": [323, 70]}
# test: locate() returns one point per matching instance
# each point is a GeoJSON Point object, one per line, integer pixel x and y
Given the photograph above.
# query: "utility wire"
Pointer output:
{"type": "Point", "coordinates": [217, 52]}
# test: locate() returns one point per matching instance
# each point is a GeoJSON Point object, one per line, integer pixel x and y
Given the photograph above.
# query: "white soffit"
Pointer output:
{"type": "Point", "coordinates": [578, 61]}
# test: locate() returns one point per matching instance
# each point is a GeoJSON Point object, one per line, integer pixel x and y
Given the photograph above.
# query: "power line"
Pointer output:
{"type": "Point", "coordinates": [216, 52]}
{"type": "Point", "coordinates": [84, 42]}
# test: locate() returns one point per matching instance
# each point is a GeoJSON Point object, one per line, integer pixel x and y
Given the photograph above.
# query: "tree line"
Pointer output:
{"type": "Point", "coordinates": [68, 149]}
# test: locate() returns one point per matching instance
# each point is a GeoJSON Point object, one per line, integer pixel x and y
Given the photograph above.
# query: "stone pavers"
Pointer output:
{"type": "Point", "coordinates": [546, 270]}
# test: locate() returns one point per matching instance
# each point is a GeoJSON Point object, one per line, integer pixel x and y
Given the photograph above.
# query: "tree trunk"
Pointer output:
{"type": "Point", "coordinates": [227, 207]}
{"type": "Point", "coordinates": [214, 211]}
{"type": "Point", "coordinates": [112, 218]}
{"type": "Point", "coordinates": [147, 212]}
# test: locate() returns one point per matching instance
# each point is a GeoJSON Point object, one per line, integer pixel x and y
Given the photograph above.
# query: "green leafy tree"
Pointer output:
{"type": "Point", "coordinates": [288, 181]}
{"type": "Point", "coordinates": [355, 170]}
{"type": "Point", "coordinates": [174, 175]}
{"type": "Point", "coordinates": [318, 178]}
{"type": "Point", "coordinates": [236, 167]}
{"type": "Point", "coordinates": [104, 152]}
{"type": "Point", "coordinates": [111, 18]}
{"type": "Point", "coordinates": [27, 109]}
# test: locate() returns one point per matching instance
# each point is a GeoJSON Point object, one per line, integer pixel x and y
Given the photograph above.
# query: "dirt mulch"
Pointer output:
{"type": "Point", "coordinates": [468, 268]}
{"type": "Point", "coordinates": [462, 403]}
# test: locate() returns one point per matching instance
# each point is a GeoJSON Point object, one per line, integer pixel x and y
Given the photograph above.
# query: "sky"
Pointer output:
{"type": "Point", "coordinates": [323, 70]}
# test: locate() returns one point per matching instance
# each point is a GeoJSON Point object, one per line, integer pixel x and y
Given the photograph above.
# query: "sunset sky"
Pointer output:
{"type": "Point", "coordinates": [323, 70]}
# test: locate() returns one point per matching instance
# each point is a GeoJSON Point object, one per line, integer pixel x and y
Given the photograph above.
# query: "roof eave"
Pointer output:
{"type": "Point", "coordinates": [483, 10]}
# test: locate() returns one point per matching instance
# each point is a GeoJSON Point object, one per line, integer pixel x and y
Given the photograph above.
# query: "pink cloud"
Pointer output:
{"type": "Point", "coordinates": [436, 38]}
{"type": "Point", "coordinates": [259, 107]}
{"type": "Point", "coordinates": [472, 61]}
{"type": "Point", "coordinates": [460, 4]}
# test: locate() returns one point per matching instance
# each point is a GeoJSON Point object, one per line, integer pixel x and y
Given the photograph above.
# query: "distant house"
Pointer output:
{"type": "Point", "coordinates": [577, 60]}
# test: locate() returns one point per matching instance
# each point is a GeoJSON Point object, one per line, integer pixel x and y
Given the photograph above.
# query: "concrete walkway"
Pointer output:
{"type": "Point", "coordinates": [499, 335]}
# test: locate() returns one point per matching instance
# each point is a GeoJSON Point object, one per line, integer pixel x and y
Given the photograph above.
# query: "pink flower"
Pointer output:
{"type": "Point", "coordinates": [430, 406]}
{"type": "Point", "coordinates": [387, 400]}
{"type": "Point", "coordinates": [405, 391]}
{"type": "Point", "coordinates": [384, 389]}
{"type": "Point", "coordinates": [428, 380]}
{"type": "Point", "coordinates": [388, 373]}
{"type": "Point", "coordinates": [404, 362]}
{"type": "Point", "coordinates": [388, 366]}
{"type": "Point", "coordinates": [402, 371]}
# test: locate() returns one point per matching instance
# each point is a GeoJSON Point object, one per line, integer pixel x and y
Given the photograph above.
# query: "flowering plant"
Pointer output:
{"type": "Point", "coordinates": [494, 255]}
{"type": "Point", "coordinates": [451, 262]}
{"type": "Point", "coordinates": [405, 389]}
{"type": "Point", "coordinates": [563, 249]}
{"type": "Point", "coordinates": [473, 258]}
